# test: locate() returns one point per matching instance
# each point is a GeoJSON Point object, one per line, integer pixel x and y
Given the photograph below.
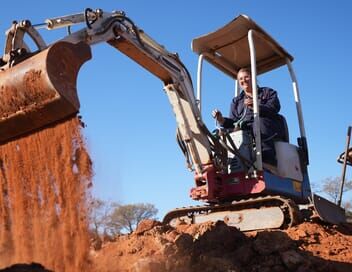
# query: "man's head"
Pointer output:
{"type": "Point", "coordinates": [245, 80]}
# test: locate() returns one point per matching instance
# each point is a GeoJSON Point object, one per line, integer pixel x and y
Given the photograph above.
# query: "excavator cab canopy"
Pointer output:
{"type": "Point", "coordinates": [244, 44]}
{"type": "Point", "coordinates": [227, 48]}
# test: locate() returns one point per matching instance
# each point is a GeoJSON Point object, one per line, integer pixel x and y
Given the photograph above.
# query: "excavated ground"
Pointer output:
{"type": "Point", "coordinates": [217, 247]}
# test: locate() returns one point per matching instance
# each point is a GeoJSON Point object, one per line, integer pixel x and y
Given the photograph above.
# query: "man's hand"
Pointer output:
{"type": "Point", "coordinates": [217, 115]}
{"type": "Point", "coordinates": [248, 101]}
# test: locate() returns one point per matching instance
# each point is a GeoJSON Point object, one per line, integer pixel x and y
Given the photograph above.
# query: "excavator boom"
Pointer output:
{"type": "Point", "coordinates": [38, 88]}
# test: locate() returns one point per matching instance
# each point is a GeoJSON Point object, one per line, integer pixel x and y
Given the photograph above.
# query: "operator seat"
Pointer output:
{"type": "Point", "coordinates": [288, 159]}
{"type": "Point", "coordinates": [286, 136]}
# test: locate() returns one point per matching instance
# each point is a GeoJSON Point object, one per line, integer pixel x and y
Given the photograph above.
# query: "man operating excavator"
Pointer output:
{"type": "Point", "coordinates": [38, 89]}
{"type": "Point", "coordinates": [241, 114]}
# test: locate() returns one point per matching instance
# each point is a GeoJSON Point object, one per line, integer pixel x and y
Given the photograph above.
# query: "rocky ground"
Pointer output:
{"type": "Point", "coordinates": [217, 247]}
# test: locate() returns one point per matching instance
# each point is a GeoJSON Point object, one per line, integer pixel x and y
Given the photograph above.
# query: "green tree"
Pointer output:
{"type": "Point", "coordinates": [127, 217]}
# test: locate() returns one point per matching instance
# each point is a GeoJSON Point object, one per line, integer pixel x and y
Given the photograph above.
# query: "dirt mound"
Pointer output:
{"type": "Point", "coordinates": [217, 247]}
{"type": "Point", "coordinates": [43, 184]}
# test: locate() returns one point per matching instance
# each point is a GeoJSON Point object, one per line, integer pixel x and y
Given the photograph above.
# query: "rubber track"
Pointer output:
{"type": "Point", "coordinates": [287, 206]}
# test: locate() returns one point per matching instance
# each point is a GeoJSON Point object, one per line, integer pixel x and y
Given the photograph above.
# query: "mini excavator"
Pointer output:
{"type": "Point", "coordinates": [38, 89]}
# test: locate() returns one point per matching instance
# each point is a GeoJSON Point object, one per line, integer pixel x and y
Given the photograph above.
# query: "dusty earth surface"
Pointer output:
{"type": "Point", "coordinates": [216, 247]}
{"type": "Point", "coordinates": [310, 246]}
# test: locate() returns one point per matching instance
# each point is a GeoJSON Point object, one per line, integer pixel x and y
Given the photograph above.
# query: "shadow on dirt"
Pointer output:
{"type": "Point", "coordinates": [34, 267]}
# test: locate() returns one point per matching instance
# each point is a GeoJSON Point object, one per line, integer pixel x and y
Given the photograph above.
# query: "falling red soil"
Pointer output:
{"type": "Point", "coordinates": [43, 192]}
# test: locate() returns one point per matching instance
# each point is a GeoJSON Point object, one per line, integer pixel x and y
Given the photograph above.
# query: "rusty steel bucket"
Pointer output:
{"type": "Point", "coordinates": [41, 90]}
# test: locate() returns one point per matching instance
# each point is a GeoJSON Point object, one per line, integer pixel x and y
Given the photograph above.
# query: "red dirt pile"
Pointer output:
{"type": "Point", "coordinates": [43, 184]}
{"type": "Point", "coordinates": [215, 247]}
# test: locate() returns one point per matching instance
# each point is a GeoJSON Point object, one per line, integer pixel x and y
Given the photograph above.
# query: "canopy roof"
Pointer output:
{"type": "Point", "coordinates": [228, 48]}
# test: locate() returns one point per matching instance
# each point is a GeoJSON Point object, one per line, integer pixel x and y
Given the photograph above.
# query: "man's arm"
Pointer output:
{"type": "Point", "coordinates": [222, 121]}
{"type": "Point", "coordinates": [269, 103]}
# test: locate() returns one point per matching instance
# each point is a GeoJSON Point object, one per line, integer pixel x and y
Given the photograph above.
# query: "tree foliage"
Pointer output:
{"type": "Point", "coordinates": [110, 218]}
{"type": "Point", "coordinates": [127, 217]}
{"type": "Point", "coordinates": [100, 213]}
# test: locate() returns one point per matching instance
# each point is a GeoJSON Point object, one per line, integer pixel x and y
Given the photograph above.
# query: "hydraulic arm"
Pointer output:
{"type": "Point", "coordinates": [46, 77]}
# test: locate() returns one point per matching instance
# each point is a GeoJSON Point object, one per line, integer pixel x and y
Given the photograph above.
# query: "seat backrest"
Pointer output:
{"type": "Point", "coordinates": [288, 161]}
{"type": "Point", "coordinates": [286, 135]}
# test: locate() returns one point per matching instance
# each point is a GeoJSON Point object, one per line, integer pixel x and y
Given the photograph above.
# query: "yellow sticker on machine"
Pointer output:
{"type": "Point", "coordinates": [297, 186]}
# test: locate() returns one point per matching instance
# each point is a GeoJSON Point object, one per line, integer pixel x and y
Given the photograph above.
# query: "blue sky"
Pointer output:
{"type": "Point", "coordinates": [130, 125]}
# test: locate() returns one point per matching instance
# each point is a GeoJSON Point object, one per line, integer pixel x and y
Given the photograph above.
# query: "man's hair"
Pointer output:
{"type": "Point", "coordinates": [248, 70]}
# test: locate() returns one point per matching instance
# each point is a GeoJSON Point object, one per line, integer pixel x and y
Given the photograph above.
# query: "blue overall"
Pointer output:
{"type": "Point", "coordinates": [271, 125]}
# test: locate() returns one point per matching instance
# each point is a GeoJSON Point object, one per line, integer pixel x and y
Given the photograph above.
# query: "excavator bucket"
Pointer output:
{"type": "Point", "coordinates": [328, 211]}
{"type": "Point", "coordinates": [40, 90]}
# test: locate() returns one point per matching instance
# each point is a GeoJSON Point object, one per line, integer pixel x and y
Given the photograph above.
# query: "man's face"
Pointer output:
{"type": "Point", "coordinates": [245, 81]}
